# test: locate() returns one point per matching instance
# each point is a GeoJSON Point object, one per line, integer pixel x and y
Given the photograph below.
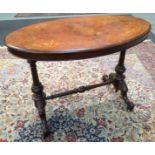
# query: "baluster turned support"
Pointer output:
{"type": "Point", "coordinates": [39, 96]}
{"type": "Point", "coordinates": [119, 82]}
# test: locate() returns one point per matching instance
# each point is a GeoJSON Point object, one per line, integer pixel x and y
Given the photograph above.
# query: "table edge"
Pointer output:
{"type": "Point", "coordinates": [76, 54]}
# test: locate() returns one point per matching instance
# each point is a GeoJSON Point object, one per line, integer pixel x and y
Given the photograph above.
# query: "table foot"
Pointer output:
{"type": "Point", "coordinates": [46, 131]}
{"type": "Point", "coordinates": [130, 105]}
{"type": "Point", "coordinates": [119, 81]}
{"type": "Point", "coordinates": [124, 89]}
{"type": "Point", "coordinates": [120, 85]}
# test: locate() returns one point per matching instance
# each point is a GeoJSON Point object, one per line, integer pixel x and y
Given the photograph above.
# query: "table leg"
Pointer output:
{"type": "Point", "coordinates": [39, 96]}
{"type": "Point", "coordinates": [119, 82]}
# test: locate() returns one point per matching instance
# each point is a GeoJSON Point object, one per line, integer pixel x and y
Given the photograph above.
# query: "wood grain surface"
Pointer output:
{"type": "Point", "coordinates": [78, 34]}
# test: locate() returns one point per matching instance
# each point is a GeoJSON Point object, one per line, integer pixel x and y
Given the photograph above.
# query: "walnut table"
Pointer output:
{"type": "Point", "coordinates": [74, 39]}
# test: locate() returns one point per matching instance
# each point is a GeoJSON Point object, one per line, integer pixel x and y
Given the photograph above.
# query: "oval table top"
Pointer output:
{"type": "Point", "coordinates": [77, 38]}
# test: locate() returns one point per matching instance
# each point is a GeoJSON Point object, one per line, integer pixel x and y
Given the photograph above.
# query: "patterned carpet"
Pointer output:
{"type": "Point", "coordinates": [96, 115]}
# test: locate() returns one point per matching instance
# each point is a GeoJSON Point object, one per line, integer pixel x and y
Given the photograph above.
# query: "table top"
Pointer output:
{"type": "Point", "coordinates": [77, 38]}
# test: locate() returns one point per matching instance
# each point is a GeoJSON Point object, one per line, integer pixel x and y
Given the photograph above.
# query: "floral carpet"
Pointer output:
{"type": "Point", "coordinates": [96, 115]}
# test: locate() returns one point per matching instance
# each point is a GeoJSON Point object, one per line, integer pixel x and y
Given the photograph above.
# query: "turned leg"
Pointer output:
{"type": "Point", "coordinates": [119, 81]}
{"type": "Point", "coordinates": [39, 96]}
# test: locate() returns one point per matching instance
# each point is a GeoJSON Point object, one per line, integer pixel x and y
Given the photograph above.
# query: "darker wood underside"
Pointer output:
{"type": "Point", "coordinates": [94, 35]}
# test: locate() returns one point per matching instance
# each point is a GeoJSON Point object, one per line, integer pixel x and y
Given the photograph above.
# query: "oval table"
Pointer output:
{"type": "Point", "coordinates": [73, 39]}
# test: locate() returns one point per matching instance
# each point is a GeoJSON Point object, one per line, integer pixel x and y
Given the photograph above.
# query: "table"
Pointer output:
{"type": "Point", "coordinates": [73, 39]}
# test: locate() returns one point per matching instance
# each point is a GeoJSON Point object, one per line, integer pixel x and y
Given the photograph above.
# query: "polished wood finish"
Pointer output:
{"type": "Point", "coordinates": [81, 89]}
{"type": "Point", "coordinates": [38, 96]}
{"type": "Point", "coordinates": [77, 38]}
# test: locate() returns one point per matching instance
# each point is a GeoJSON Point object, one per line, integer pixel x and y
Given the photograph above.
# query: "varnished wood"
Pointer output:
{"type": "Point", "coordinates": [81, 89]}
{"type": "Point", "coordinates": [38, 96]}
{"type": "Point", "coordinates": [77, 38]}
